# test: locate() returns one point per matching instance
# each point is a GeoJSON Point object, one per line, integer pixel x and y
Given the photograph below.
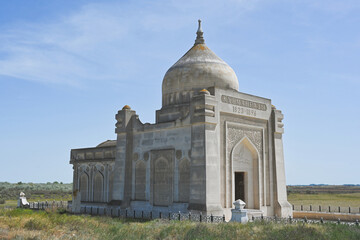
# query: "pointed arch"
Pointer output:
{"type": "Point", "coordinates": [245, 161]}
{"type": "Point", "coordinates": [98, 187]}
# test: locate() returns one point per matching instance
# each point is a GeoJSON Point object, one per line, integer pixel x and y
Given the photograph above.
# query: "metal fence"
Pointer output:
{"type": "Point", "coordinates": [326, 209]}
{"type": "Point", "coordinates": [149, 215]}
{"type": "Point", "coordinates": [304, 220]}
{"type": "Point", "coordinates": [49, 205]}
{"type": "Point", "coordinates": [117, 212]}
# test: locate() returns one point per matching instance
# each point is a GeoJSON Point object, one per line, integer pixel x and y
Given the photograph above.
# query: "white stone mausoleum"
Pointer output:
{"type": "Point", "coordinates": [210, 146]}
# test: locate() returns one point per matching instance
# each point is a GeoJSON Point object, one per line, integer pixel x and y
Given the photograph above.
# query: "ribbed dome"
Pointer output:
{"type": "Point", "coordinates": [199, 68]}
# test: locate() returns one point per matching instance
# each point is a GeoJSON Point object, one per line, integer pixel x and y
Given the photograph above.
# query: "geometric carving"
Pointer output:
{"type": "Point", "coordinates": [162, 177]}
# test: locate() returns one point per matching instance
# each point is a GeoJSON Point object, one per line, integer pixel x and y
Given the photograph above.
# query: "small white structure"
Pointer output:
{"type": "Point", "coordinates": [239, 214]}
{"type": "Point", "coordinates": [22, 202]}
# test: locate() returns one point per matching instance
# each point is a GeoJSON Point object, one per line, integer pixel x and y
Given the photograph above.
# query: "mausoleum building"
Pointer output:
{"type": "Point", "coordinates": [210, 146]}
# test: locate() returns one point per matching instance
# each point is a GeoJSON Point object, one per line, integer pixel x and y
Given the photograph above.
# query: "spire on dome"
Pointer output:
{"type": "Point", "coordinates": [199, 33]}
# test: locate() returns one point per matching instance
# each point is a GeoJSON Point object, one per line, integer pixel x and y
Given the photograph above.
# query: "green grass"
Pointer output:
{"type": "Point", "coordinates": [28, 224]}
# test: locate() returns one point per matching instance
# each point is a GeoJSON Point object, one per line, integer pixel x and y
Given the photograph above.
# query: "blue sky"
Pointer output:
{"type": "Point", "coordinates": [67, 67]}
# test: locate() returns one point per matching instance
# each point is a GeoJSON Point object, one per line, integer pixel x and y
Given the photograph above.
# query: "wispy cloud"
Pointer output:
{"type": "Point", "coordinates": [92, 44]}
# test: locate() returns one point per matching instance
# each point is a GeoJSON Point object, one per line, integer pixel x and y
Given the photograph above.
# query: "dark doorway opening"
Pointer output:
{"type": "Point", "coordinates": [240, 186]}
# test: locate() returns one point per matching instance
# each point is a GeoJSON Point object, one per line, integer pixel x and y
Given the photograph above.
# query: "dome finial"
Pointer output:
{"type": "Point", "coordinates": [199, 33]}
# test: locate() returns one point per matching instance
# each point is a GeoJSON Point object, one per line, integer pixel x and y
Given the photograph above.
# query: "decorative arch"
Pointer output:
{"type": "Point", "coordinates": [98, 187]}
{"type": "Point", "coordinates": [84, 186]}
{"type": "Point", "coordinates": [184, 180]}
{"type": "Point", "coordinates": [140, 180]}
{"type": "Point", "coordinates": [245, 165]}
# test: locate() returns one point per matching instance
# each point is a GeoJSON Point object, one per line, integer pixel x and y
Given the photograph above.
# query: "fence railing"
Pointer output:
{"type": "Point", "coordinates": [117, 212]}
{"type": "Point", "coordinates": [49, 205]}
{"type": "Point", "coordinates": [304, 220]}
{"type": "Point", "coordinates": [326, 209]}
{"type": "Point", "coordinates": [149, 215]}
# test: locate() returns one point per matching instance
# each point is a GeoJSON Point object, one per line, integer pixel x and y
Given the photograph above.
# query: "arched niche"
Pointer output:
{"type": "Point", "coordinates": [140, 180]}
{"type": "Point", "coordinates": [245, 173]}
{"type": "Point", "coordinates": [84, 186]}
{"type": "Point", "coordinates": [162, 185]}
{"type": "Point", "coordinates": [184, 180]}
{"type": "Point", "coordinates": [98, 187]}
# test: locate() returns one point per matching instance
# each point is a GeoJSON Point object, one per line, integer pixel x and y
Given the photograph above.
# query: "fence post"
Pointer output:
{"type": "Point", "coordinates": [290, 219]}
{"type": "Point", "coordinates": [322, 220]}
{"type": "Point", "coordinates": [169, 216]}
{"type": "Point", "coordinates": [319, 208]}
{"type": "Point", "coordinates": [262, 217]}
{"type": "Point", "coordinates": [293, 207]}
{"type": "Point", "coordinates": [302, 209]}
{"type": "Point", "coordinates": [223, 218]}
{"type": "Point", "coordinates": [305, 219]}
{"type": "Point", "coordinates": [338, 221]}
{"type": "Point", "coordinates": [200, 216]}
{"type": "Point", "coordinates": [310, 208]}
{"type": "Point", "coordinates": [189, 216]}
{"type": "Point", "coordinates": [349, 209]}
{"type": "Point", "coordinates": [339, 208]}
{"type": "Point", "coordinates": [179, 216]}
{"type": "Point", "coordinates": [212, 217]}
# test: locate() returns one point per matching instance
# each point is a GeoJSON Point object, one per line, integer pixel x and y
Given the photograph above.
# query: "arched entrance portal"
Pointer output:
{"type": "Point", "coordinates": [245, 177]}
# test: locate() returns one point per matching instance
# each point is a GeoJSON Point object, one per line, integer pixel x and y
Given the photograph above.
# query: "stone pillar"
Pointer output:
{"type": "Point", "coordinates": [205, 163]}
{"type": "Point", "coordinates": [123, 160]}
{"type": "Point", "coordinates": [76, 202]}
{"type": "Point", "coordinates": [282, 206]}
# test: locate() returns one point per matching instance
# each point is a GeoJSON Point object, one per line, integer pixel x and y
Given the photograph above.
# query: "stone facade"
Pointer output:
{"type": "Point", "coordinates": [210, 146]}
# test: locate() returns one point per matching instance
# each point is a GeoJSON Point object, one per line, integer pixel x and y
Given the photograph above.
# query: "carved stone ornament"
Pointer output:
{"type": "Point", "coordinates": [178, 154]}
{"type": "Point", "coordinates": [146, 156]}
{"type": "Point", "coordinates": [236, 133]}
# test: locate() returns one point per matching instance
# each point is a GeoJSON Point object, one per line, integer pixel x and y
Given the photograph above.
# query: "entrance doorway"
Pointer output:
{"type": "Point", "coordinates": [240, 186]}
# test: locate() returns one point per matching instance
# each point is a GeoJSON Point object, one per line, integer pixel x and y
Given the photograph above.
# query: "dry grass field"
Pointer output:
{"type": "Point", "coordinates": [28, 224]}
{"type": "Point", "coordinates": [334, 196]}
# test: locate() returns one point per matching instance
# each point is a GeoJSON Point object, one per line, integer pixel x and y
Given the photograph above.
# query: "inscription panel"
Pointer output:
{"type": "Point", "coordinates": [162, 162]}
{"type": "Point", "coordinates": [244, 107]}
